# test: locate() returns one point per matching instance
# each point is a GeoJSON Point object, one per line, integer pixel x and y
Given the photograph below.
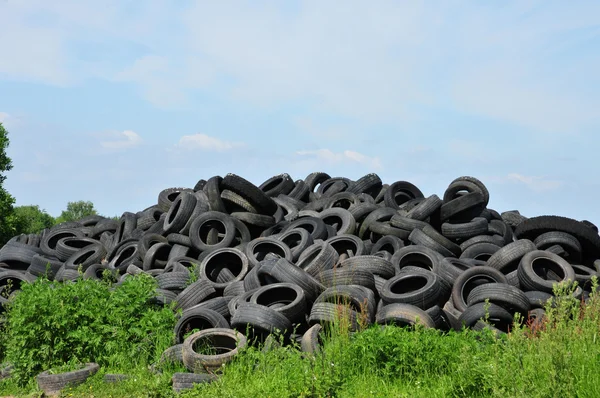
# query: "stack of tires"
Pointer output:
{"type": "Point", "coordinates": [295, 255]}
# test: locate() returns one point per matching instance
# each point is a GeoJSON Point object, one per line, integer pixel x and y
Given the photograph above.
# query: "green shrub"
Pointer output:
{"type": "Point", "coordinates": [49, 324]}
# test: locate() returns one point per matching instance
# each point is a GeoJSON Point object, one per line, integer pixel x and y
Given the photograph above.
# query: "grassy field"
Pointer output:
{"type": "Point", "coordinates": [560, 358]}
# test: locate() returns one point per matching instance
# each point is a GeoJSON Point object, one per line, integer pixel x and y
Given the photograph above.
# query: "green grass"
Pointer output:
{"type": "Point", "coordinates": [559, 359]}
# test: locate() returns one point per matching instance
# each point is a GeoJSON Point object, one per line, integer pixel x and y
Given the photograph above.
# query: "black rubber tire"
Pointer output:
{"type": "Point", "coordinates": [199, 230]}
{"type": "Point", "coordinates": [325, 313]}
{"type": "Point", "coordinates": [157, 256]}
{"type": "Point", "coordinates": [212, 189]}
{"type": "Point", "coordinates": [451, 268]}
{"type": "Point", "coordinates": [508, 297]}
{"type": "Point", "coordinates": [583, 276]}
{"type": "Point", "coordinates": [538, 299]}
{"type": "Point", "coordinates": [318, 257]}
{"type": "Point", "coordinates": [261, 320]}
{"type": "Point", "coordinates": [480, 251]}
{"type": "Point", "coordinates": [166, 197]}
{"type": "Point", "coordinates": [378, 215]}
{"type": "Point", "coordinates": [402, 314]}
{"type": "Point", "coordinates": [285, 271]}
{"type": "Point", "coordinates": [172, 355]}
{"type": "Point", "coordinates": [65, 247]}
{"type": "Point", "coordinates": [162, 297]}
{"type": "Point", "coordinates": [41, 264]}
{"type": "Point", "coordinates": [85, 257]}
{"type": "Point", "coordinates": [347, 276]}
{"type": "Point", "coordinates": [463, 208]}
{"type": "Point", "coordinates": [341, 219]}
{"type": "Point", "coordinates": [257, 249]}
{"type": "Point", "coordinates": [507, 259]}
{"type": "Point", "coordinates": [494, 239]}
{"type": "Point", "coordinates": [286, 298]}
{"type": "Point", "coordinates": [389, 243]}
{"type": "Point", "coordinates": [587, 237]}
{"type": "Point", "coordinates": [195, 293]}
{"type": "Point", "coordinates": [52, 384]}
{"type": "Point", "coordinates": [361, 299]}
{"type": "Point", "coordinates": [314, 225]}
{"type": "Point", "coordinates": [254, 195]}
{"type": "Point", "coordinates": [180, 212]}
{"type": "Point", "coordinates": [185, 381]}
{"type": "Point", "coordinates": [226, 342]}
{"type": "Point", "coordinates": [311, 340]}
{"type": "Point", "coordinates": [466, 230]}
{"type": "Point", "coordinates": [347, 244]}
{"type": "Point", "coordinates": [567, 241]}
{"type": "Point", "coordinates": [96, 272]}
{"type": "Point", "coordinates": [400, 192]}
{"type": "Point", "coordinates": [10, 282]}
{"type": "Point", "coordinates": [437, 241]}
{"type": "Point", "coordinates": [344, 200]}
{"type": "Point", "coordinates": [499, 317]}
{"type": "Point", "coordinates": [499, 227]}
{"type": "Point", "coordinates": [425, 208]}
{"type": "Point", "coordinates": [298, 240]}
{"type": "Point", "coordinates": [300, 191]}
{"type": "Point", "coordinates": [419, 289]}
{"type": "Point", "coordinates": [127, 224]}
{"type": "Point", "coordinates": [417, 255]}
{"type": "Point", "coordinates": [373, 264]}
{"type": "Point", "coordinates": [122, 255]}
{"type": "Point", "coordinates": [440, 318]}
{"type": "Point", "coordinates": [218, 260]}
{"type": "Point", "coordinates": [234, 289]}
{"type": "Point", "coordinates": [234, 202]}
{"type": "Point", "coordinates": [468, 184]}
{"type": "Point", "coordinates": [471, 278]}
{"type": "Point", "coordinates": [175, 281]}
{"type": "Point", "coordinates": [276, 185]}
{"type": "Point", "coordinates": [50, 240]}
{"type": "Point", "coordinates": [149, 239]}
{"type": "Point", "coordinates": [369, 184]}
{"type": "Point", "coordinates": [402, 222]}
{"type": "Point", "coordinates": [532, 266]}
{"type": "Point", "coordinates": [198, 318]}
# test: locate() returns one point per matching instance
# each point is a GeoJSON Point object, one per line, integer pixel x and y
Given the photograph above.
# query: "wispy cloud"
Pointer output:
{"type": "Point", "coordinates": [329, 157]}
{"type": "Point", "coordinates": [4, 117]}
{"type": "Point", "coordinates": [207, 143]}
{"type": "Point", "coordinates": [537, 184]}
{"type": "Point", "coordinates": [123, 140]}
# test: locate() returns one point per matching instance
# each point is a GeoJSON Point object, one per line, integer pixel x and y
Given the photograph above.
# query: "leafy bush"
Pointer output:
{"type": "Point", "coordinates": [49, 324]}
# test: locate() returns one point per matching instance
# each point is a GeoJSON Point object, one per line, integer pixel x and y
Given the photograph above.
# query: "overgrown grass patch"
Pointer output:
{"type": "Point", "coordinates": [50, 325]}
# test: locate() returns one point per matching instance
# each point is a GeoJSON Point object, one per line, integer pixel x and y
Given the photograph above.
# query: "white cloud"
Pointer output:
{"type": "Point", "coordinates": [124, 140]}
{"type": "Point", "coordinates": [537, 184]}
{"type": "Point", "coordinates": [207, 143]}
{"type": "Point", "coordinates": [329, 157]}
{"type": "Point", "coordinates": [4, 117]}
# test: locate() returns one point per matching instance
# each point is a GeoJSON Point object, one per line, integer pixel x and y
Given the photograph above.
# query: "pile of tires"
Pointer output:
{"type": "Point", "coordinates": [292, 256]}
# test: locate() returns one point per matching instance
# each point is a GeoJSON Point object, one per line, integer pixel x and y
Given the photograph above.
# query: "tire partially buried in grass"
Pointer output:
{"type": "Point", "coordinates": [207, 350]}
{"type": "Point", "coordinates": [52, 384]}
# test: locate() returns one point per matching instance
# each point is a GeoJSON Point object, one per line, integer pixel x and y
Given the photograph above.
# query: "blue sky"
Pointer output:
{"type": "Point", "coordinates": [112, 101]}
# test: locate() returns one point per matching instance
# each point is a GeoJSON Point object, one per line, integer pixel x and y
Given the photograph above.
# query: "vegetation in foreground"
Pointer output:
{"type": "Point", "coordinates": [559, 358]}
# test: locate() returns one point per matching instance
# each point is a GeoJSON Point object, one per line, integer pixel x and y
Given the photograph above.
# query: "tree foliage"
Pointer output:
{"type": "Point", "coordinates": [77, 210]}
{"type": "Point", "coordinates": [31, 219]}
{"type": "Point", "coordinates": [6, 200]}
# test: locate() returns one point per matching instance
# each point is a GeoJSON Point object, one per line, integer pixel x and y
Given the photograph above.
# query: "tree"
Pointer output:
{"type": "Point", "coordinates": [6, 200]}
{"type": "Point", "coordinates": [31, 219]}
{"type": "Point", "coordinates": [76, 211]}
